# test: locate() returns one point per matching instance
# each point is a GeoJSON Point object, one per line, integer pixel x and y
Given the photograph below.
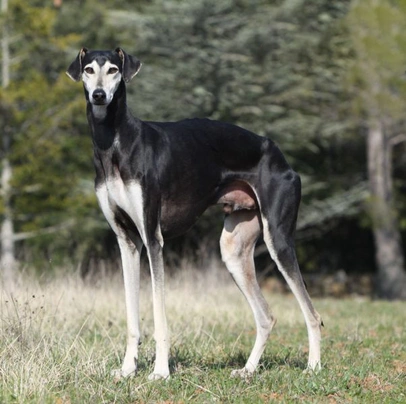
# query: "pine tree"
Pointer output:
{"type": "Point", "coordinates": [378, 30]}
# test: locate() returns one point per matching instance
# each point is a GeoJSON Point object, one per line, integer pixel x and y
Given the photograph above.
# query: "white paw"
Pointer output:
{"type": "Point", "coordinates": [159, 376]}
{"type": "Point", "coordinates": [312, 369]}
{"type": "Point", "coordinates": [243, 373]}
{"type": "Point", "coordinates": [119, 374]}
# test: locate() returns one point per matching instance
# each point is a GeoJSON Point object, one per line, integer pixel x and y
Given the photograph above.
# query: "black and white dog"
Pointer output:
{"type": "Point", "coordinates": [153, 181]}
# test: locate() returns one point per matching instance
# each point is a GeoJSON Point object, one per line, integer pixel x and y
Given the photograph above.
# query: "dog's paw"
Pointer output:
{"type": "Point", "coordinates": [159, 376]}
{"type": "Point", "coordinates": [243, 374]}
{"type": "Point", "coordinates": [312, 369]}
{"type": "Point", "coordinates": [119, 374]}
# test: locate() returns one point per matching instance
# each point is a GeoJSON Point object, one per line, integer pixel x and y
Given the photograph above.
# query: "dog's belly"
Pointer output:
{"type": "Point", "coordinates": [177, 218]}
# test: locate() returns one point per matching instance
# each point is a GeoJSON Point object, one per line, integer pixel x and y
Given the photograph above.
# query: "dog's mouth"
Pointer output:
{"type": "Point", "coordinates": [99, 102]}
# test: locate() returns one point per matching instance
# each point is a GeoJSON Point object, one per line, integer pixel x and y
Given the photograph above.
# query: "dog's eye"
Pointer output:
{"type": "Point", "coordinates": [89, 70]}
{"type": "Point", "coordinates": [112, 70]}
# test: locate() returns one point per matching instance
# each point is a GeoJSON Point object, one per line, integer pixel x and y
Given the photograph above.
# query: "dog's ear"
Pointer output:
{"type": "Point", "coordinates": [75, 69]}
{"type": "Point", "coordinates": [130, 65]}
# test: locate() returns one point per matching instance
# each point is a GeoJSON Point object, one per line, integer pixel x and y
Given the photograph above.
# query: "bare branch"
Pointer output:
{"type": "Point", "coordinates": [42, 232]}
{"type": "Point", "coordinates": [397, 139]}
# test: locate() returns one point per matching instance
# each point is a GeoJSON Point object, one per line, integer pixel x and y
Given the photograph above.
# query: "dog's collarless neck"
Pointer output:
{"type": "Point", "coordinates": [105, 120]}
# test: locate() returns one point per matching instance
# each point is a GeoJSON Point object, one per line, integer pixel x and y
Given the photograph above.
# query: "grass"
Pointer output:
{"type": "Point", "coordinates": [60, 339]}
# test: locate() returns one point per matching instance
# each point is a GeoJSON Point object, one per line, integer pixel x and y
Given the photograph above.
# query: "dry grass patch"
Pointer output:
{"type": "Point", "coordinates": [60, 339]}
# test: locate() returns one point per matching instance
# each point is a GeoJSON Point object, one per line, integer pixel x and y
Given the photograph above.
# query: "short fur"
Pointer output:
{"type": "Point", "coordinates": [154, 179]}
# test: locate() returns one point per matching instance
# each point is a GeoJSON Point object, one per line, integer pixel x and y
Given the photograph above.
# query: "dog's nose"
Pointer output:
{"type": "Point", "coordinates": [99, 95]}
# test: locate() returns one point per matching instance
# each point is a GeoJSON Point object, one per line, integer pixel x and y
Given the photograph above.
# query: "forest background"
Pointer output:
{"type": "Point", "coordinates": [325, 80]}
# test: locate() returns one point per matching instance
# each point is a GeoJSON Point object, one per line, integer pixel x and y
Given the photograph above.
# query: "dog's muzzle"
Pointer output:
{"type": "Point", "coordinates": [99, 97]}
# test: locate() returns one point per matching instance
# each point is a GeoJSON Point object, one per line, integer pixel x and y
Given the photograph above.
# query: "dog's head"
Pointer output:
{"type": "Point", "coordinates": [102, 72]}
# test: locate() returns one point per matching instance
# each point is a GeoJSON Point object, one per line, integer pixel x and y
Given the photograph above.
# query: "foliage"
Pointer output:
{"type": "Point", "coordinates": [378, 33]}
{"type": "Point", "coordinates": [277, 68]}
{"type": "Point", "coordinates": [375, 75]}
{"type": "Point", "coordinates": [42, 109]}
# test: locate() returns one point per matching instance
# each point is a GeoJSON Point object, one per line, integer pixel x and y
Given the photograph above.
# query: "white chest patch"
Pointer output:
{"type": "Point", "coordinates": [128, 197]}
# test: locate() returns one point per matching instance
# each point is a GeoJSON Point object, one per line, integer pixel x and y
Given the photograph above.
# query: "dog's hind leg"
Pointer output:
{"type": "Point", "coordinates": [279, 200]}
{"type": "Point", "coordinates": [238, 239]}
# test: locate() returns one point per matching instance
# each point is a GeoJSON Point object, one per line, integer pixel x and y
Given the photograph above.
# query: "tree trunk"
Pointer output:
{"type": "Point", "coordinates": [391, 278]}
{"type": "Point", "coordinates": [7, 259]}
{"type": "Point", "coordinates": [5, 48]}
{"type": "Point", "coordinates": [8, 262]}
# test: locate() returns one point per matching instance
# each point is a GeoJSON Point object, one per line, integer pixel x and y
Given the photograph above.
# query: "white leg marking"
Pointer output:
{"type": "Point", "coordinates": [111, 194]}
{"type": "Point", "coordinates": [130, 256]}
{"type": "Point", "coordinates": [103, 199]}
{"type": "Point", "coordinates": [237, 243]}
{"type": "Point", "coordinates": [128, 197]}
{"type": "Point", "coordinates": [312, 318]}
{"type": "Point", "coordinates": [161, 336]}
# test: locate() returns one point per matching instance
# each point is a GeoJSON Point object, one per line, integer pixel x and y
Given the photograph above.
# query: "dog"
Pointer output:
{"type": "Point", "coordinates": [154, 180]}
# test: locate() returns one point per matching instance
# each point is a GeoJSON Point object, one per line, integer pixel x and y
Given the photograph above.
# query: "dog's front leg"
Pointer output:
{"type": "Point", "coordinates": [130, 257]}
{"type": "Point", "coordinates": [161, 369]}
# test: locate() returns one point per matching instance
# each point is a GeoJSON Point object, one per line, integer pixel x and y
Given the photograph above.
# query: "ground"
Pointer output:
{"type": "Point", "coordinates": [60, 339]}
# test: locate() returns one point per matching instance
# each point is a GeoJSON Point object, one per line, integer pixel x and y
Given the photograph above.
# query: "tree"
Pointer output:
{"type": "Point", "coordinates": [377, 31]}
{"type": "Point", "coordinates": [43, 194]}
{"type": "Point", "coordinates": [276, 68]}
{"type": "Point", "coordinates": [7, 258]}
{"type": "Point", "coordinates": [273, 67]}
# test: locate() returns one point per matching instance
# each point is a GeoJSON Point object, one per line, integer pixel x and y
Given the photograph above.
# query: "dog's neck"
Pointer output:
{"type": "Point", "coordinates": [113, 128]}
{"type": "Point", "coordinates": [105, 121]}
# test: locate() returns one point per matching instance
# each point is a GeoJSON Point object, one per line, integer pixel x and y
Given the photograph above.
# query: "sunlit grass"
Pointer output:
{"type": "Point", "coordinates": [60, 339]}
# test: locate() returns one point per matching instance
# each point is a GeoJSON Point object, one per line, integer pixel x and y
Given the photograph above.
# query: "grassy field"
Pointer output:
{"type": "Point", "coordinates": [60, 339]}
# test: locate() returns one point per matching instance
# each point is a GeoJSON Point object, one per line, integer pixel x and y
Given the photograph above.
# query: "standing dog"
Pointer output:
{"type": "Point", "coordinates": [154, 179]}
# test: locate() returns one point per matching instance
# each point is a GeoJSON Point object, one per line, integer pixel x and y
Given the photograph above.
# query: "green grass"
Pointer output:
{"type": "Point", "coordinates": [59, 341]}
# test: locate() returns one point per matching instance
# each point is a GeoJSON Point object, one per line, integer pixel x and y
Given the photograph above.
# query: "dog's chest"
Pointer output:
{"type": "Point", "coordinates": [114, 195]}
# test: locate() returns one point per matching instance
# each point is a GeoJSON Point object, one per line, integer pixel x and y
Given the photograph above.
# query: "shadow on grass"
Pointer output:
{"type": "Point", "coordinates": [188, 359]}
